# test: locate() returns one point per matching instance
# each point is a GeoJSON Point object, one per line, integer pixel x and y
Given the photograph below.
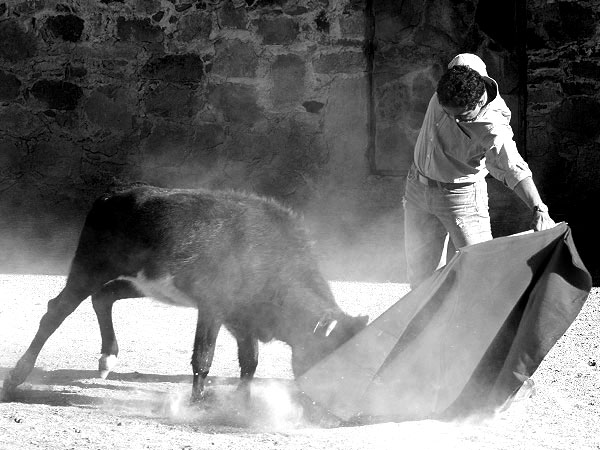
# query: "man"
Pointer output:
{"type": "Point", "coordinates": [465, 135]}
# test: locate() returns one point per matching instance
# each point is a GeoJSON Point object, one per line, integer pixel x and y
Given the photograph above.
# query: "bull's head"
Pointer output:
{"type": "Point", "coordinates": [328, 334]}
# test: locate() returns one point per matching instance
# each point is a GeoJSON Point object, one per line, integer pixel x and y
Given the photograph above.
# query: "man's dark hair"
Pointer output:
{"type": "Point", "coordinates": [460, 87]}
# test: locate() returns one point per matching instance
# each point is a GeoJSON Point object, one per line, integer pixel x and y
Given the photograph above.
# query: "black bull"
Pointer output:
{"type": "Point", "coordinates": [241, 260]}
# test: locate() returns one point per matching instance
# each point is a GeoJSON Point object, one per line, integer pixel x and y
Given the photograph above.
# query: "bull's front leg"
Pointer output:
{"type": "Point", "coordinates": [248, 360]}
{"type": "Point", "coordinates": [207, 330]}
{"type": "Point", "coordinates": [58, 309]}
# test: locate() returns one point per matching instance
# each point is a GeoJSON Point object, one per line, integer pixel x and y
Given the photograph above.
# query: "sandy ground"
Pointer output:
{"type": "Point", "coordinates": [143, 403]}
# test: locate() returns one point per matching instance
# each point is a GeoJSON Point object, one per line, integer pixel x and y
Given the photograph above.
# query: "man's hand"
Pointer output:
{"type": "Point", "coordinates": [541, 219]}
{"type": "Point", "coordinates": [528, 192]}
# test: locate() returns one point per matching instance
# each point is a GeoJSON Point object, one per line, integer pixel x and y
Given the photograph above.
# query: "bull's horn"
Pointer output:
{"type": "Point", "coordinates": [330, 327]}
{"type": "Point", "coordinates": [325, 326]}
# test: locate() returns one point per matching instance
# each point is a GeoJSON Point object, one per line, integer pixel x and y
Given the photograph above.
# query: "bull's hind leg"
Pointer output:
{"type": "Point", "coordinates": [103, 301]}
{"type": "Point", "coordinates": [58, 309]}
{"type": "Point", "coordinates": [207, 330]}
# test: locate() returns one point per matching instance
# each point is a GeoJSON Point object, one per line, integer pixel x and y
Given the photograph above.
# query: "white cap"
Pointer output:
{"type": "Point", "coordinates": [469, 60]}
{"type": "Point", "coordinates": [475, 63]}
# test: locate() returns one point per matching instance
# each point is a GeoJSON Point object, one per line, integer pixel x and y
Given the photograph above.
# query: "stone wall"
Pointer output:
{"type": "Point", "coordinates": [269, 96]}
{"type": "Point", "coordinates": [563, 114]}
{"type": "Point", "coordinates": [314, 102]}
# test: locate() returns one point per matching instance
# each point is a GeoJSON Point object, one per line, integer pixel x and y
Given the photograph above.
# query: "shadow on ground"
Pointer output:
{"type": "Point", "coordinates": [274, 404]}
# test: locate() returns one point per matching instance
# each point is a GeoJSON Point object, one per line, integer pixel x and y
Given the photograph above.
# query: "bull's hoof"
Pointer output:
{"type": "Point", "coordinates": [7, 395]}
{"type": "Point", "coordinates": [244, 392]}
{"type": "Point", "coordinates": [14, 378]}
{"type": "Point", "coordinates": [8, 390]}
{"type": "Point", "coordinates": [106, 364]}
{"type": "Point", "coordinates": [197, 397]}
{"type": "Point", "coordinates": [203, 397]}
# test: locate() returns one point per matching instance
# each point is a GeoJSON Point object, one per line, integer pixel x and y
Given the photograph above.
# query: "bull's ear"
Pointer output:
{"type": "Point", "coordinates": [363, 320]}
{"type": "Point", "coordinates": [360, 322]}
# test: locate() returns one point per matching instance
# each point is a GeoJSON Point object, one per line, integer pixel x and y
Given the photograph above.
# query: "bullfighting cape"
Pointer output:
{"type": "Point", "coordinates": [464, 340]}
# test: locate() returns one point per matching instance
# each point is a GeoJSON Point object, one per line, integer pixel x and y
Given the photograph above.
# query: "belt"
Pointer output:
{"type": "Point", "coordinates": [434, 183]}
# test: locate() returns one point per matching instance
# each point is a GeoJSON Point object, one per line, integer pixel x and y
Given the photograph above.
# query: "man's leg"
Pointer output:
{"type": "Point", "coordinates": [424, 234]}
{"type": "Point", "coordinates": [466, 215]}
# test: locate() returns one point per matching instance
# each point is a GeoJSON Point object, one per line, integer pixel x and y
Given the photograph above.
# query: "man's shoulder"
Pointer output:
{"type": "Point", "coordinates": [497, 112]}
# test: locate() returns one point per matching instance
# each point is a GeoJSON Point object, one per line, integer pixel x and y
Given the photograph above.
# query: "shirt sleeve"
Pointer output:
{"type": "Point", "coordinates": [503, 160]}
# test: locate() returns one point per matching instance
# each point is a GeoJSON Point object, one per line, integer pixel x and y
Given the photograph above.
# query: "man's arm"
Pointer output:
{"type": "Point", "coordinates": [527, 191]}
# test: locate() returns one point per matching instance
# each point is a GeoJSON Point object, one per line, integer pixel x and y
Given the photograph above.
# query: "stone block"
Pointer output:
{"type": "Point", "coordinates": [28, 7]}
{"type": "Point", "coordinates": [69, 27]}
{"type": "Point", "coordinates": [404, 99]}
{"type": "Point", "coordinates": [423, 87]}
{"type": "Point", "coordinates": [353, 25]}
{"type": "Point", "coordinates": [355, 5]}
{"type": "Point", "coordinates": [206, 136]}
{"type": "Point", "coordinates": [181, 7]}
{"type": "Point", "coordinates": [183, 68]}
{"type": "Point", "coordinates": [196, 25]}
{"type": "Point", "coordinates": [11, 158]}
{"type": "Point", "coordinates": [288, 73]}
{"type": "Point", "coordinates": [539, 140]}
{"type": "Point", "coordinates": [254, 149]}
{"type": "Point", "coordinates": [139, 30]}
{"type": "Point", "coordinates": [55, 158]}
{"type": "Point", "coordinates": [277, 30]}
{"type": "Point", "coordinates": [298, 160]}
{"type": "Point", "coordinates": [452, 21]}
{"type": "Point", "coordinates": [235, 59]}
{"type": "Point", "coordinates": [57, 94]}
{"type": "Point", "coordinates": [544, 93]}
{"type": "Point", "coordinates": [115, 157]}
{"type": "Point", "coordinates": [574, 21]}
{"type": "Point", "coordinates": [580, 87]}
{"type": "Point", "coordinates": [578, 114]}
{"type": "Point", "coordinates": [17, 44]}
{"type": "Point", "coordinates": [10, 86]}
{"type": "Point", "coordinates": [171, 100]}
{"type": "Point", "coordinates": [108, 109]}
{"type": "Point", "coordinates": [539, 61]}
{"type": "Point", "coordinates": [75, 71]}
{"type": "Point", "coordinates": [167, 145]}
{"type": "Point", "coordinates": [147, 6]}
{"type": "Point", "coordinates": [545, 74]}
{"type": "Point", "coordinates": [340, 62]}
{"type": "Point", "coordinates": [295, 10]}
{"type": "Point", "coordinates": [346, 129]}
{"type": "Point", "coordinates": [232, 16]}
{"type": "Point", "coordinates": [237, 102]}
{"type": "Point", "coordinates": [395, 147]}
{"type": "Point", "coordinates": [266, 4]}
{"type": "Point", "coordinates": [586, 69]}
{"type": "Point", "coordinates": [392, 100]}
{"type": "Point", "coordinates": [16, 120]}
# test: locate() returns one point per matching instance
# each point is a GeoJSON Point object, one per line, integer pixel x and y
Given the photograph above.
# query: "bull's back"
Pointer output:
{"type": "Point", "coordinates": [192, 242]}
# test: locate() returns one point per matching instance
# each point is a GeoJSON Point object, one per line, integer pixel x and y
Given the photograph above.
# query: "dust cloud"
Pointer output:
{"type": "Point", "coordinates": [270, 406]}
